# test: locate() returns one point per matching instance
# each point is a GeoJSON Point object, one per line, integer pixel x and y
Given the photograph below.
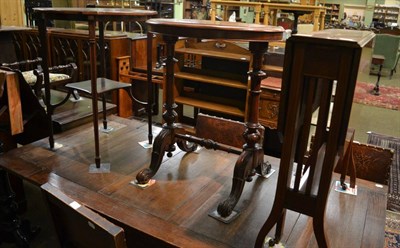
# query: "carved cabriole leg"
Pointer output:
{"type": "Point", "coordinates": [162, 143]}
{"type": "Point", "coordinates": [250, 158]}
{"type": "Point", "coordinates": [165, 140]}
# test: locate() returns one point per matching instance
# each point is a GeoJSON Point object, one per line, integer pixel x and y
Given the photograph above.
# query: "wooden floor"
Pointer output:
{"type": "Point", "coordinates": [174, 211]}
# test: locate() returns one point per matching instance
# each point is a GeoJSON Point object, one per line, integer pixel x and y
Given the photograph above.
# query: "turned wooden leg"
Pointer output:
{"type": "Point", "coordinates": [376, 88]}
{"type": "Point", "coordinates": [378, 60]}
{"type": "Point", "coordinates": [165, 140]}
{"type": "Point", "coordinates": [250, 158]}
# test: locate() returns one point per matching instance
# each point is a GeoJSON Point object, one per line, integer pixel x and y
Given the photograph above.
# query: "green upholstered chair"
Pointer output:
{"type": "Point", "coordinates": [388, 46]}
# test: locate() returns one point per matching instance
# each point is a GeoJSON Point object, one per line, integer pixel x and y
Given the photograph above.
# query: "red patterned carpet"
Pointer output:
{"type": "Point", "coordinates": [389, 96]}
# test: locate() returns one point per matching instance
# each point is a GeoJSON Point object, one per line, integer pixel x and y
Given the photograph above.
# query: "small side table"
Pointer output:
{"type": "Point", "coordinates": [104, 86]}
{"type": "Point", "coordinates": [94, 17]}
{"type": "Point", "coordinates": [378, 60]}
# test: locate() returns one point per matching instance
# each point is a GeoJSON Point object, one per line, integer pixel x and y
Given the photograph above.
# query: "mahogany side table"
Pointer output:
{"type": "Point", "coordinates": [251, 158]}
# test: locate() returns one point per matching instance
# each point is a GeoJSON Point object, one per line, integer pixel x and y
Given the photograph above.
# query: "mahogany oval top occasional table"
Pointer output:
{"type": "Point", "coordinates": [97, 86]}
{"type": "Point", "coordinates": [251, 157]}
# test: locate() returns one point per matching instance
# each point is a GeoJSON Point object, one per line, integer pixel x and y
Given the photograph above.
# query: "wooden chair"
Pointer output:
{"type": "Point", "coordinates": [388, 46]}
{"type": "Point", "coordinates": [371, 162]}
{"type": "Point", "coordinates": [22, 120]}
{"type": "Point", "coordinates": [26, 120]}
{"type": "Point", "coordinates": [311, 65]}
{"type": "Point", "coordinates": [79, 226]}
{"type": "Point", "coordinates": [33, 74]}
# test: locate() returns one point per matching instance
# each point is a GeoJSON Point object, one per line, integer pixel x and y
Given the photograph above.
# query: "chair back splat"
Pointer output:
{"type": "Point", "coordinates": [312, 65]}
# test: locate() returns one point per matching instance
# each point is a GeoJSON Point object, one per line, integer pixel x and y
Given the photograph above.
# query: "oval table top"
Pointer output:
{"type": "Point", "coordinates": [207, 29]}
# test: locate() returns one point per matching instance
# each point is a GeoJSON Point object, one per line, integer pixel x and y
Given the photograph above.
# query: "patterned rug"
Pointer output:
{"type": "Point", "coordinates": [394, 179]}
{"type": "Point", "coordinates": [389, 96]}
{"type": "Point", "coordinates": [392, 230]}
{"type": "Point", "coordinates": [392, 227]}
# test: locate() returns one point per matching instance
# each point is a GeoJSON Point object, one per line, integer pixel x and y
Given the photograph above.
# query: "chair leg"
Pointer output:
{"type": "Point", "coordinates": [276, 215]}
{"type": "Point", "coordinates": [279, 228]}
{"type": "Point", "coordinates": [318, 225]}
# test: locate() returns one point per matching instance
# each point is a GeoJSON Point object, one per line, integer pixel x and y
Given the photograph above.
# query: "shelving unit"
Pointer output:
{"type": "Point", "coordinates": [165, 8]}
{"type": "Point", "coordinates": [332, 12]}
{"type": "Point", "coordinates": [195, 9]}
{"type": "Point", "coordinates": [386, 13]}
{"type": "Point", "coordinates": [212, 77]}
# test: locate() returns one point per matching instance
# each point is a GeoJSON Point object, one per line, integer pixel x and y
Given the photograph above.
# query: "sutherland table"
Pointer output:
{"type": "Point", "coordinates": [173, 211]}
{"type": "Point", "coordinates": [92, 16]}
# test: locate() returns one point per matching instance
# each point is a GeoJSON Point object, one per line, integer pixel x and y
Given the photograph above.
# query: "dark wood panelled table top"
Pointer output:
{"type": "Point", "coordinates": [195, 183]}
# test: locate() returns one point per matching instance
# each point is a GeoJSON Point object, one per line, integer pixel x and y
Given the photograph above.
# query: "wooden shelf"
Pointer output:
{"type": "Point", "coordinates": [192, 6]}
{"type": "Point", "coordinates": [332, 12]}
{"type": "Point", "coordinates": [211, 80]}
{"type": "Point", "coordinates": [214, 54]}
{"type": "Point", "coordinates": [387, 13]}
{"type": "Point", "coordinates": [222, 108]}
{"type": "Point", "coordinates": [272, 68]}
{"type": "Point", "coordinates": [213, 77]}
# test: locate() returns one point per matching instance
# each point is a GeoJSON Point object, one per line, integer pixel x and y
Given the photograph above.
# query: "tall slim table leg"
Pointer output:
{"type": "Point", "coordinates": [98, 166]}
{"type": "Point", "coordinates": [45, 65]}
{"type": "Point", "coordinates": [149, 84]}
